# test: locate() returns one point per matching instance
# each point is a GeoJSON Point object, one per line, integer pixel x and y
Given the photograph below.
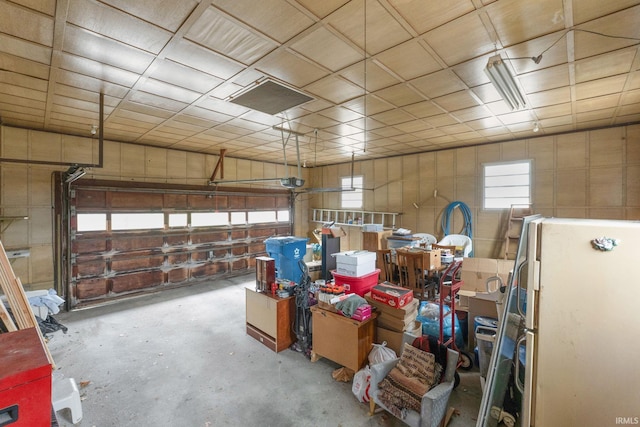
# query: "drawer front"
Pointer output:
{"type": "Point", "coordinates": [262, 312]}
{"type": "Point", "coordinates": [265, 339]}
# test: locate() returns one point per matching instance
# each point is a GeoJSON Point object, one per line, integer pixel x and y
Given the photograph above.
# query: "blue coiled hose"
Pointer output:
{"type": "Point", "coordinates": [466, 214]}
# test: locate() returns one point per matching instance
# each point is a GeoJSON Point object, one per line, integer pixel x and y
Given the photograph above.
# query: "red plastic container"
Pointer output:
{"type": "Point", "coordinates": [357, 285]}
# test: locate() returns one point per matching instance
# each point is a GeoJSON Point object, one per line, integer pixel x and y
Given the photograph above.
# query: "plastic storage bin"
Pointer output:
{"type": "Point", "coordinates": [287, 252]}
{"type": "Point", "coordinates": [357, 285]}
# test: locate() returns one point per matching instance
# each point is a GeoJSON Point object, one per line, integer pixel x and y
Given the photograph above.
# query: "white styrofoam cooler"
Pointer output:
{"type": "Point", "coordinates": [355, 263]}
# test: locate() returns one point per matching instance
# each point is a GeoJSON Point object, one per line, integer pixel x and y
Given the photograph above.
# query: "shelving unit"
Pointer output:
{"type": "Point", "coordinates": [341, 217]}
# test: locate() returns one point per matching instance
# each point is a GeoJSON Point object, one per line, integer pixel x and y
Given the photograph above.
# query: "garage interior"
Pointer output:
{"type": "Point", "coordinates": [124, 124]}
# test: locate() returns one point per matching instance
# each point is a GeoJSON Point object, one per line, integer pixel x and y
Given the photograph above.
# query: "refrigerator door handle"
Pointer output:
{"type": "Point", "coordinates": [516, 373]}
{"type": "Point", "coordinates": [518, 287]}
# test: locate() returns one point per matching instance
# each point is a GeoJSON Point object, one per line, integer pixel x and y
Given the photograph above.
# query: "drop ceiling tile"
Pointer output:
{"type": "Point", "coordinates": [81, 42]}
{"type": "Point", "coordinates": [631, 97]}
{"type": "Point", "coordinates": [205, 60]}
{"type": "Point", "coordinates": [606, 65]}
{"type": "Point", "coordinates": [624, 23]}
{"type": "Point", "coordinates": [149, 110]}
{"type": "Point", "coordinates": [460, 40]}
{"type": "Point", "coordinates": [546, 79]}
{"type": "Point", "coordinates": [95, 69]}
{"type": "Point", "coordinates": [587, 10]}
{"type": "Point", "coordinates": [322, 8]}
{"type": "Point", "coordinates": [597, 103]}
{"type": "Point", "coordinates": [317, 121]}
{"type": "Point", "coordinates": [117, 25]}
{"type": "Point", "coordinates": [372, 78]}
{"type": "Point", "coordinates": [549, 97]}
{"type": "Point", "coordinates": [158, 101]}
{"type": "Point", "coordinates": [471, 114]}
{"type": "Point", "coordinates": [408, 60]}
{"type": "Point", "coordinates": [84, 95]}
{"type": "Point", "coordinates": [441, 120]}
{"type": "Point", "coordinates": [24, 49]}
{"type": "Point", "coordinates": [218, 33]}
{"type": "Point", "coordinates": [484, 123]}
{"type": "Point", "coordinates": [424, 16]}
{"type": "Point", "coordinates": [18, 65]}
{"type": "Point", "coordinates": [167, 14]}
{"type": "Point", "coordinates": [516, 21]}
{"type": "Point", "coordinates": [39, 30]}
{"type": "Point", "coordinates": [600, 87]}
{"type": "Point", "coordinates": [392, 117]}
{"type": "Point", "coordinates": [606, 115]}
{"type": "Point", "coordinates": [327, 49]}
{"type": "Point", "coordinates": [276, 18]}
{"type": "Point", "coordinates": [92, 84]}
{"type": "Point", "coordinates": [412, 126]}
{"type": "Point", "coordinates": [400, 95]}
{"type": "Point", "coordinates": [288, 66]}
{"type": "Point", "coordinates": [186, 77]}
{"type": "Point", "coordinates": [382, 29]}
{"type": "Point", "coordinates": [334, 89]}
{"type": "Point", "coordinates": [457, 101]}
{"type": "Point", "coordinates": [374, 105]}
{"type": "Point", "coordinates": [438, 83]}
{"type": "Point", "coordinates": [554, 111]}
{"type": "Point", "coordinates": [167, 90]}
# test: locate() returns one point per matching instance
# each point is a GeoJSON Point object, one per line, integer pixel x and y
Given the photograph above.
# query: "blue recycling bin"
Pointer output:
{"type": "Point", "coordinates": [287, 252]}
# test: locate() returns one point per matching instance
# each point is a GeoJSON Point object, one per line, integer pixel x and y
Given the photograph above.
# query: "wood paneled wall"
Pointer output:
{"type": "Point", "coordinates": [26, 189]}
{"type": "Point", "coordinates": [593, 174]}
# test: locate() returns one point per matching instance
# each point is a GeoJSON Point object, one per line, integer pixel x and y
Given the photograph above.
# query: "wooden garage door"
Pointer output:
{"type": "Point", "coordinates": [125, 241]}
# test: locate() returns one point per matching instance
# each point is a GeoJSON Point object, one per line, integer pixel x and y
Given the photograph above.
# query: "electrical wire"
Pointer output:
{"type": "Point", "coordinates": [538, 58]}
{"type": "Point", "coordinates": [467, 229]}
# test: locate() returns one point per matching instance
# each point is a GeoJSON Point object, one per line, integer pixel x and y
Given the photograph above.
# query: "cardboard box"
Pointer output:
{"type": "Point", "coordinates": [397, 312]}
{"type": "Point", "coordinates": [354, 257]}
{"type": "Point", "coordinates": [356, 270]}
{"type": "Point", "coordinates": [334, 231]}
{"type": "Point", "coordinates": [345, 341]}
{"type": "Point", "coordinates": [476, 271]}
{"type": "Point", "coordinates": [395, 324]}
{"type": "Point", "coordinates": [355, 263]}
{"type": "Point", "coordinates": [395, 296]}
{"type": "Point", "coordinates": [394, 339]}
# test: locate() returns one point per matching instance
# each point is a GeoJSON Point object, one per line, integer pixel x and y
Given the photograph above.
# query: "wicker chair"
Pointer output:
{"type": "Point", "coordinates": [434, 402]}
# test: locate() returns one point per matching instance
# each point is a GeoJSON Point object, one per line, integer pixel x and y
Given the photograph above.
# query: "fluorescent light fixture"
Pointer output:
{"type": "Point", "coordinates": [504, 83]}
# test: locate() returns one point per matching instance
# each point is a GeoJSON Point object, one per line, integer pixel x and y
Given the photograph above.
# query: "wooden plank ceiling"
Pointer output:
{"type": "Point", "coordinates": [168, 70]}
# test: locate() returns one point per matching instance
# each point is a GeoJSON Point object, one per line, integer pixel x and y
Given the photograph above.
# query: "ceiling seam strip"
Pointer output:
{"type": "Point", "coordinates": [570, 37]}
{"type": "Point", "coordinates": [60, 19]}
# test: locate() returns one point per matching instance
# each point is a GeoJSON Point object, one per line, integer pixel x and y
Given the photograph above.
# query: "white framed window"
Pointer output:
{"type": "Point", "coordinates": [137, 221]}
{"type": "Point", "coordinates": [178, 220]}
{"type": "Point", "coordinates": [351, 199]}
{"type": "Point", "coordinates": [238, 218]}
{"type": "Point", "coordinates": [283, 216]}
{"type": "Point", "coordinates": [208, 219]}
{"type": "Point", "coordinates": [92, 222]}
{"type": "Point", "coordinates": [506, 184]}
{"type": "Point", "coordinates": [256, 217]}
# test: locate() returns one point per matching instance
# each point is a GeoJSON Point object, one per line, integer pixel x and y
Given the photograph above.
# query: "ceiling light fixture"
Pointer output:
{"type": "Point", "coordinates": [504, 83]}
{"type": "Point", "coordinates": [94, 129]}
{"type": "Point", "coordinates": [536, 128]}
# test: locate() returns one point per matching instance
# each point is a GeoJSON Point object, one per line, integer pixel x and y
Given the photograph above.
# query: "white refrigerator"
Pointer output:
{"type": "Point", "coordinates": [567, 353]}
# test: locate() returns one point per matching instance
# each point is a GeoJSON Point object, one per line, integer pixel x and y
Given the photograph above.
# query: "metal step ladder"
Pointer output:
{"type": "Point", "coordinates": [514, 229]}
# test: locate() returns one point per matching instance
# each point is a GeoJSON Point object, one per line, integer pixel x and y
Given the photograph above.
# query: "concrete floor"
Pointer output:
{"type": "Point", "coordinates": [182, 358]}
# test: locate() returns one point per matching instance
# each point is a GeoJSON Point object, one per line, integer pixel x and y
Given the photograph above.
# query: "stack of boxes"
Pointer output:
{"type": "Point", "coordinates": [394, 321]}
{"type": "Point", "coordinates": [356, 271]}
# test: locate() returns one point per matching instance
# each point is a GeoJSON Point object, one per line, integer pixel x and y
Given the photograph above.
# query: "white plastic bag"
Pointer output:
{"type": "Point", "coordinates": [381, 353]}
{"type": "Point", "coordinates": [361, 384]}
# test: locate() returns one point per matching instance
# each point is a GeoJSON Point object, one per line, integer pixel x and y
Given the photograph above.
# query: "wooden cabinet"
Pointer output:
{"type": "Point", "coordinates": [341, 339]}
{"type": "Point", "coordinates": [269, 319]}
{"type": "Point", "coordinates": [374, 240]}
